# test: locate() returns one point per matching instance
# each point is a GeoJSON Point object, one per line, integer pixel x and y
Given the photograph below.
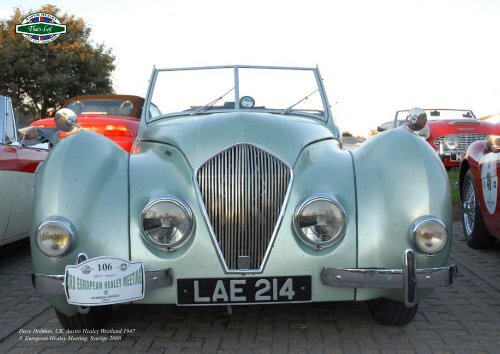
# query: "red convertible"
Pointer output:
{"type": "Point", "coordinates": [478, 182]}
{"type": "Point", "coordinates": [114, 116]}
{"type": "Point", "coordinates": [18, 163]}
{"type": "Point", "coordinates": [451, 131]}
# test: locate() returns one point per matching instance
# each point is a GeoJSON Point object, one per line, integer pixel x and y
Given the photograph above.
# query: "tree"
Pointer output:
{"type": "Point", "coordinates": [41, 76]}
{"type": "Point", "coordinates": [346, 134]}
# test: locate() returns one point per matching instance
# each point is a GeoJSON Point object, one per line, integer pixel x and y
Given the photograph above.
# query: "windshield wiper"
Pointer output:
{"type": "Point", "coordinates": [293, 105]}
{"type": "Point", "coordinates": [210, 104]}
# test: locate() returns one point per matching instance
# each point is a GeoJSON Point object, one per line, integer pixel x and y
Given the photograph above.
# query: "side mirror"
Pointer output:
{"type": "Point", "coordinates": [66, 120]}
{"type": "Point", "coordinates": [28, 133]}
{"type": "Point", "coordinates": [416, 119]}
{"type": "Point", "coordinates": [493, 143]}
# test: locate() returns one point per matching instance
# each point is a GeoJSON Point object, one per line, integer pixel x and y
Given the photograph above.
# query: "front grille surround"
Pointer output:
{"type": "Point", "coordinates": [465, 139]}
{"type": "Point", "coordinates": [215, 197]}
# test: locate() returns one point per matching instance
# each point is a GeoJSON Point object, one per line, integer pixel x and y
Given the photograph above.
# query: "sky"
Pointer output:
{"type": "Point", "coordinates": [375, 57]}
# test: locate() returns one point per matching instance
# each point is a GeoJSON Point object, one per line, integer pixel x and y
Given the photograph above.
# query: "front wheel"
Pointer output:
{"type": "Point", "coordinates": [96, 318]}
{"type": "Point", "coordinates": [475, 231]}
{"type": "Point", "coordinates": [390, 312]}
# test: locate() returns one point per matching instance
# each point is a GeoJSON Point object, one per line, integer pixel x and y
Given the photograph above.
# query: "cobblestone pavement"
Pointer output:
{"type": "Point", "coordinates": [462, 318]}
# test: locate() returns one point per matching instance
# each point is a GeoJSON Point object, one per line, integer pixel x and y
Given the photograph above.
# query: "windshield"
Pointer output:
{"type": "Point", "coordinates": [118, 107]}
{"type": "Point", "coordinates": [197, 91]}
{"type": "Point", "coordinates": [441, 114]}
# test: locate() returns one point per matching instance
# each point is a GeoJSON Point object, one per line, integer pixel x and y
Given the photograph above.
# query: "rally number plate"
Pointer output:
{"type": "Point", "coordinates": [243, 290]}
{"type": "Point", "coordinates": [103, 281]}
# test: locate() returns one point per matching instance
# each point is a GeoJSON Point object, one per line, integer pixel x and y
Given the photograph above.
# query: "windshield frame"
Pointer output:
{"type": "Point", "coordinates": [325, 117]}
{"type": "Point", "coordinates": [430, 118]}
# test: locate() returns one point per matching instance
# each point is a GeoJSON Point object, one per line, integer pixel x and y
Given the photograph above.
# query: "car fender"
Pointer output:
{"type": "Point", "coordinates": [399, 178]}
{"type": "Point", "coordinates": [94, 172]}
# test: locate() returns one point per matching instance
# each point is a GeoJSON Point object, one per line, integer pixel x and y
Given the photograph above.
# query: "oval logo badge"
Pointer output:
{"type": "Point", "coordinates": [41, 28]}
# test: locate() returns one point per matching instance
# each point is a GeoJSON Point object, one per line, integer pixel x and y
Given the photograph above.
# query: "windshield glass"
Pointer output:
{"type": "Point", "coordinates": [441, 114]}
{"type": "Point", "coordinates": [118, 107]}
{"type": "Point", "coordinates": [255, 89]}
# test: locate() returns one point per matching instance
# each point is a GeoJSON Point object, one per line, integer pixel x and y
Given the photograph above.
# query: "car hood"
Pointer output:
{"type": "Point", "coordinates": [458, 125]}
{"type": "Point", "coordinates": [88, 120]}
{"type": "Point", "coordinates": [202, 136]}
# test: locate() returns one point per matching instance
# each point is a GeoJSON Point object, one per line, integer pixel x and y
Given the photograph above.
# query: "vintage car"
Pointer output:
{"type": "Point", "coordinates": [390, 125]}
{"type": "Point", "coordinates": [20, 154]}
{"type": "Point", "coordinates": [451, 131]}
{"type": "Point", "coordinates": [478, 185]}
{"type": "Point", "coordinates": [114, 116]}
{"type": "Point", "coordinates": [240, 193]}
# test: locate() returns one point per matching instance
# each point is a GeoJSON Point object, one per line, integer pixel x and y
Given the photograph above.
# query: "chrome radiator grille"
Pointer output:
{"type": "Point", "coordinates": [464, 140]}
{"type": "Point", "coordinates": [243, 189]}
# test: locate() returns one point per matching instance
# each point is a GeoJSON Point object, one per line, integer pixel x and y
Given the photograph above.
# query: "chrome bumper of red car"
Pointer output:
{"type": "Point", "coordinates": [408, 277]}
{"type": "Point", "coordinates": [54, 284]}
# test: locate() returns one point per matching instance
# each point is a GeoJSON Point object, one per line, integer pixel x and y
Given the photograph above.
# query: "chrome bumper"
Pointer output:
{"type": "Point", "coordinates": [54, 284]}
{"type": "Point", "coordinates": [409, 278]}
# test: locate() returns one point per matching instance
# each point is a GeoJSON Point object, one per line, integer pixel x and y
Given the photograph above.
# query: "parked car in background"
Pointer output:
{"type": "Point", "coordinates": [18, 162]}
{"type": "Point", "coordinates": [451, 131]}
{"type": "Point", "coordinates": [114, 116]}
{"type": "Point", "coordinates": [390, 125]}
{"type": "Point", "coordinates": [478, 184]}
{"type": "Point", "coordinates": [239, 193]}
{"type": "Point", "coordinates": [492, 118]}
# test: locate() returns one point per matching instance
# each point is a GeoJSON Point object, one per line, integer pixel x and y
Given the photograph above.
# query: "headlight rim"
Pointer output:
{"type": "Point", "coordinates": [424, 220]}
{"type": "Point", "coordinates": [179, 202]}
{"type": "Point", "coordinates": [446, 142]}
{"type": "Point", "coordinates": [307, 201]}
{"type": "Point", "coordinates": [63, 223]}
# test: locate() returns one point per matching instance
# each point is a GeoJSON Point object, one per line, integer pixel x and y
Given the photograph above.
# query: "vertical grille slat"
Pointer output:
{"type": "Point", "coordinates": [243, 189]}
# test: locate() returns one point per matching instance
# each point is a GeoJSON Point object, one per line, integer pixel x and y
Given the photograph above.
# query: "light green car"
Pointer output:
{"type": "Point", "coordinates": [237, 191]}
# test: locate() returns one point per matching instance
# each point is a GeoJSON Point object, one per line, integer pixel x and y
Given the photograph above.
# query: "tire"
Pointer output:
{"type": "Point", "coordinates": [475, 231]}
{"type": "Point", "coordinates": [96, 318]}
{"type": "Point", "coordinates": [390, 312]}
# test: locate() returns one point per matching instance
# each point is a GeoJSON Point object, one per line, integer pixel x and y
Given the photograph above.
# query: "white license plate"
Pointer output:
{"type": "Point", "coordinates": [104, 281]}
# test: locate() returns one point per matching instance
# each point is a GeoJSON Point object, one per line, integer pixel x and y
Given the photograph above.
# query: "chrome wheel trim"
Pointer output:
{"type": "Point", "coordinates": [469, 208]}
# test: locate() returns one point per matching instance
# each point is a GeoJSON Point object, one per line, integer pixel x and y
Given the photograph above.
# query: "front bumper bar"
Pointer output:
{"type": "Point", "coordinates": [54, 284]}
{"type": "Point", "coordinates": [409, 278]}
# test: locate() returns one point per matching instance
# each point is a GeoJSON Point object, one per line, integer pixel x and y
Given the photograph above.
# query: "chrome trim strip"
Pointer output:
{"type": "Point", "coordinates": [234, 188]}
{"type": "Point", "coordinates": [54, 284]}
{"type": "Point", "coordinates": [407, 277]}
{"type": "Point", "coordinates": [386, 278]}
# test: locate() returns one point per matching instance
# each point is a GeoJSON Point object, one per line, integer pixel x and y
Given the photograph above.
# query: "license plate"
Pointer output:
{"type": "Point", "coordinates": [243, 290]}
{"type": "Point", "coordinates": [104, 281]}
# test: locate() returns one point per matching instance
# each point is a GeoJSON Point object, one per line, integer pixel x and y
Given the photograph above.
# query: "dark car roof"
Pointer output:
{"type": "Point", "coordinates": [137, 101]}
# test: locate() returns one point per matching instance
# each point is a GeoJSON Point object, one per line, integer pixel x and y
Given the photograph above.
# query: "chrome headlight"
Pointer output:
{"type": "Point", "coordinates": [429, 235]}
{"type": "Point", "coordinates": [320, 221]}
{"type": "Point", "coordinates": [451, 142]}
{"type": "Point", "coordinates": [54, 236]}
{"type": "Point", "coordinates": [166, 222]}
{"type": "Point", "coordinates": [425, 132]}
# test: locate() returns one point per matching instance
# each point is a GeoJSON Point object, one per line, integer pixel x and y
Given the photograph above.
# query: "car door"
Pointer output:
{"type": "Point", "coordinates": [489, 165]}
{"type": "Point", "coordinates": [8, 165]}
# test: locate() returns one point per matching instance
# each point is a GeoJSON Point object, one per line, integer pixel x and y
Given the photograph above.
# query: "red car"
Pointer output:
{"type": "Point", "coordinates": [478, 182]}
{"type": "Point", "coordinates": [114, 116]}
{"type": "Point", "coordinates": [18, 163]}
{"type": "Point", "coordinates": [451, 131]}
